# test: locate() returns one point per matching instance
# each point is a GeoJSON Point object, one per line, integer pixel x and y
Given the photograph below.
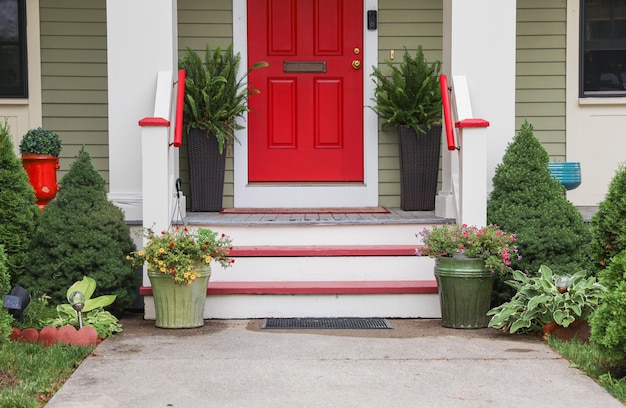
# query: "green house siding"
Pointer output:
{"type": "Point", "coordinates": [74, 78]}
{"type": "Point", "coordinates": [540, 66]}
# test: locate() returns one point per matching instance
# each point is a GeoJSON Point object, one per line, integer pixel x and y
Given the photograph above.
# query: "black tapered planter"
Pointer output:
{"type": "Point", "coordinates": [419, 167]}
{"type": "Point", "coordinates": [206, 171]}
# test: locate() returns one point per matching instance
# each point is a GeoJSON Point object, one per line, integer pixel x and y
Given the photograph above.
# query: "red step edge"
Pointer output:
{"type": "Point", "coordinates": [316, 288]}
{"type": "Point", "coordinates": [326, 250]}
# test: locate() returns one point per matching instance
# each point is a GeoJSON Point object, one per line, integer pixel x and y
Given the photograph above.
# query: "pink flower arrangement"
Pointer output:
{"type": "Point", "coordinates": [494, 246]}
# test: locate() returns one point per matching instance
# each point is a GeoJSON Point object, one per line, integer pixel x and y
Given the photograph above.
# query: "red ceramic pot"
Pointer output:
{"type": "Point", "coordinates": [42, 174]}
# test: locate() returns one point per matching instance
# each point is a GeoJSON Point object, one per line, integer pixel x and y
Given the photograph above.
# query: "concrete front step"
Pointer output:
{"type": "Point", "coordinates": [320, 281]}
{"type": "Point", "coordinates": [248, 300]}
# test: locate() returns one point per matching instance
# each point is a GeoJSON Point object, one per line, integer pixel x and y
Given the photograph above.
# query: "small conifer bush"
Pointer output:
{"type": "Point", "coordinates": [527, 201]}
{"type": "Point", "coordinates": [6, 320]}
{"type": "Point", "coordinates": [608, 323]}
{"type": "Point", "coordinates": [81, 233]}
{"type": "Point", "coordinates": [608, 224]}
{"type": "Point", "coordinates": [18, 208]}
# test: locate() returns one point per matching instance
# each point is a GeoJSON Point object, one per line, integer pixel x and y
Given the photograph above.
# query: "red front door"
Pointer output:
{"type": "Point", "coordinates": [307, 123]}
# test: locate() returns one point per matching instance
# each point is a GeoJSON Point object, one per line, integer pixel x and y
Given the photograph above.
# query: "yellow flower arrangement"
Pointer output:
{"type": "Point", "coordinates": [176, 252]}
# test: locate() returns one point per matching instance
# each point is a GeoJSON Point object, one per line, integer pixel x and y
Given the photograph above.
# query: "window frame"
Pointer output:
{"type": "Point", "coordinates": [21, 91]}
{"type": "Point", "coordinates": [584, 46]}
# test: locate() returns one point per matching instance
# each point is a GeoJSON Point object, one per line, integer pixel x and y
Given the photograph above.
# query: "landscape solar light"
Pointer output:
{"type": "Point", "coordinates": [77, 300]}
{"type": "Point", "coordinates": [562, 283]}
{"type": "Point", "coordinates": [16, 302]}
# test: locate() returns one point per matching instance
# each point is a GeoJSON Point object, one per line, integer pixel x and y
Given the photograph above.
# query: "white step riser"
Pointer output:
{"type": "Point", "coordinates": [345, 268]}
{"type": "Point", "coordinates": [387, 234]}
{"type": "Point", "coordinates": [260, 306]}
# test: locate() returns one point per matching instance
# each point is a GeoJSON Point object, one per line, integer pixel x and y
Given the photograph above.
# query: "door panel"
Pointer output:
{"type": "Point", "coordinates": [307, 123]}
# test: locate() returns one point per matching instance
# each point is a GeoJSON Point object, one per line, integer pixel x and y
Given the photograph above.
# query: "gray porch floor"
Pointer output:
{"type": "Point", "coordinates": [395, 216]}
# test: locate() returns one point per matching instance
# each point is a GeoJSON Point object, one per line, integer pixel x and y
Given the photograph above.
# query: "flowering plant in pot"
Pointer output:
{"type": "Point", "coordinates": [178, 263]}
{"type": "Point", "coordinates": [490, 244]}
{"type": "Point", "coordinates": [467, 259]}
{"type": "Point", "coordinates": [177, 253]}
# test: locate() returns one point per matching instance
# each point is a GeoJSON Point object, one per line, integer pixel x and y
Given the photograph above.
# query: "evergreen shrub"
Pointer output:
{"type": "Point", "coordinates": [608, 224]}
{"type": "Point", "coordinates": [6, 320]}
{"type": "Point", "coordinates": [608, 323]}
{"type": "Point", "coordinates": [81, 233]}
{"type": "Point", "coordinates": [18, 208]}
{"type": "Point", "coordinates": [527, 201]}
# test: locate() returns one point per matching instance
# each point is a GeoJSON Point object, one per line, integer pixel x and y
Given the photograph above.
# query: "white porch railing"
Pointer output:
{"type": "Point", "coordinates": [162, 204]}
{"type": "Point", "coordinates": [465, 162]}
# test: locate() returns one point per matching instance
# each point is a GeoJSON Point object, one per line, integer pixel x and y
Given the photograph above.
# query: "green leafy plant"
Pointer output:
{"type": "Point", "coordinates": [491, 244]}
{"type": "Point", "coordinates": [608, 323]}
{"type": "Point", "coordinates": [6, 320]}
{"type": "Point", "coordinates": [18, 208]}
{"type": "Point", "coordinates": [608, 224]}
{"type": "Point", "coordinates": [81, 233]}
{"type": "Point", "coordinates": [409, 94]}
{"type": "Point", "coordinates": [526, 199]}
{"type": "Point", "coordinates": [41, 141]}
{"type": "Point", "coordinates": [538, 301]}
{"type": "Point", "coordinates": [176, 252]}
{"type": "Point", "coordinates": [93, 313]}
{"type": "Point", "coordinates": [214, 95]}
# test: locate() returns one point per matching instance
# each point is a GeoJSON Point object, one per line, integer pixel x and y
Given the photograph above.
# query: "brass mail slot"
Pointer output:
{"type": "Point", "coordinates": [304, 66]}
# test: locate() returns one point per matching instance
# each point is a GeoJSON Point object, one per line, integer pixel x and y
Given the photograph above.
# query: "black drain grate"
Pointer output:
{"type": "Point", "coordinates": [326, 323]}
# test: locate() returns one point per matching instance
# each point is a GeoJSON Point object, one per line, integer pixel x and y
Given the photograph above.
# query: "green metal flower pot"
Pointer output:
{"type": "Point", "coordinates": [179, 306]}
{"type": "Point", "coordinates": [465, 288]}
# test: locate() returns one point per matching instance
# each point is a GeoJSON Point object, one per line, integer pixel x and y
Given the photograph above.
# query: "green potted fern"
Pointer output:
{"type": "Point", "coordinates": [40, 150]}
{"type": "Point", "coordinates": [214, 98]}
{"type": "Point", "coordinates": [408, 97]}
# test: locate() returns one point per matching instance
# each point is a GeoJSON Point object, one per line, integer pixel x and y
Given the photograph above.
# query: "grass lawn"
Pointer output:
{"type": "Point", "coordinates": [585, 357]}
{"type": "Point", "coordinates": [30, 374]}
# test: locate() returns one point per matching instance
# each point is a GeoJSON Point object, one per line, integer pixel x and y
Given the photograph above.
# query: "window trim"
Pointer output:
{"type": "Point", "coordinates": [23, 51]}
{"type": "Point", "coordinates": [619, 44]}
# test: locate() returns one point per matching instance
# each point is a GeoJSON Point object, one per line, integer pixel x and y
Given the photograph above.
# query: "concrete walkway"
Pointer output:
{"type": "Point", "coordinates": [234, 363]}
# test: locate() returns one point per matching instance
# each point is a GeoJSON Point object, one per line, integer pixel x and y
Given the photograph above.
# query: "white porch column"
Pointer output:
{"type": "Point", "coordinates": [479, 44]}
{"type": "Point", "coordinates": [141, 41]}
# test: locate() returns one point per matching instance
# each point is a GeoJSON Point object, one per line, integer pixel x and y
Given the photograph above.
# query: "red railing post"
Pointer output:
{"type": "Point", "coordinates": [180, 102]}
{"type": "Point", "coordinates": [447, 114]}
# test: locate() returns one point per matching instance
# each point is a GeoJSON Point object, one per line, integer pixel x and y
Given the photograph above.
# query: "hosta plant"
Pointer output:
{"type": "Point", "coordinates": [539, 301]}
{"type": "Point", "coordinates": [93, 313]}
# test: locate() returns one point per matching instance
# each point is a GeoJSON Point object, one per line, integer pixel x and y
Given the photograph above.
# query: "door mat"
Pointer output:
{"type": "Point", "coordinates": [325, 323]}
{"type": "Point", "coordinates": [334, 210]}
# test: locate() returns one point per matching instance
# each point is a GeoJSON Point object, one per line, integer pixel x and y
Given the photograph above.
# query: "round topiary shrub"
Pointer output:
{"type": "Point", "coordinates": [527, 201]}
{"type": "Point", "coordinates": [18, 208]}
{"type": "Point", "coordinates": [608, 224]}
{"type": "Point", "coordinates": [81, 233]}
{"type": "Point", "coordinates": [41, 141]}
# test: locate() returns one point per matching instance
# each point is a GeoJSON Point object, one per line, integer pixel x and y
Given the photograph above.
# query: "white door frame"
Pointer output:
{"type": "Point", "coordinates": [315, 195]}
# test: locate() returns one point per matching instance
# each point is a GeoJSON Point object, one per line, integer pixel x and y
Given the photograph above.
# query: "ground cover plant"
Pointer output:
{"type": "Point", "coordinates": [590, 360]}
{"type": "Point", "coordinates": [30, 374]}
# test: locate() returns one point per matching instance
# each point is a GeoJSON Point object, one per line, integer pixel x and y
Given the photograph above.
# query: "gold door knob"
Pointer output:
{"type": "Point", "coordinates": [356, 64]}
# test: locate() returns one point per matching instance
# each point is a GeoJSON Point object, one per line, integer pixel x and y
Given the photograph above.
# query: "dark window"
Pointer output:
{"type": "Point", "coordinates": [13, 70]}
{"type": "Point", "coordinates": [603, 47]}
